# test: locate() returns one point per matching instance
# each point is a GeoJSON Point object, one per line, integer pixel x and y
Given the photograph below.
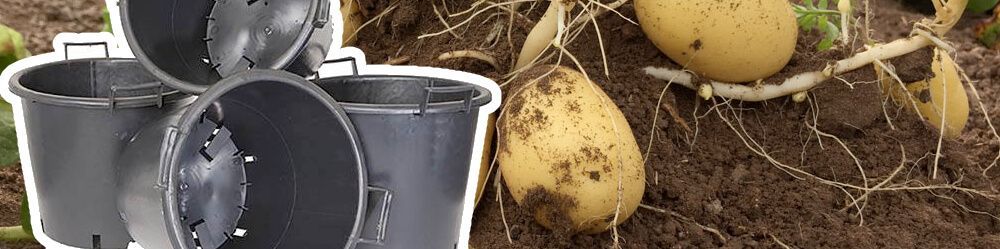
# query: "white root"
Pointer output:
{"type": "Point", "coordinates": [795, 84]}
{"type": "Point", "coordinates": [613, 7]}
{"type": "Point", "coordinates": [377, 18]}
{"type": "Point", "coordinates": [398, 60]}
{"type": "Point", "coordinates": [714, 231]}
{"type": "Point", "coordinates": [944, 119]}
{"type": "Point", "coordinates": [445, 22]}
{"type": "Point", "coordinates": [473, 54]}
{"type": "Point", "coordinates": [778, 241]}
{"type": "Point", "coordinates": [947, 16]}
{"type": "Point", "coordinates": [474, 14]}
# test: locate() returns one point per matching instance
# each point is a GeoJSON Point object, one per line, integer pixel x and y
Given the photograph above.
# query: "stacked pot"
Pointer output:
{"type": "Point", "coordinates": [212, 137]}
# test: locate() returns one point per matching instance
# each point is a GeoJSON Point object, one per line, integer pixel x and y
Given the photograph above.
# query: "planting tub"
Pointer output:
{"type": "Point", "coordinates": [78, 115]}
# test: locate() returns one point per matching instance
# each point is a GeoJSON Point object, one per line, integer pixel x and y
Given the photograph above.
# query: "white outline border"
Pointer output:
{"type": "Point", "coordinates": [96, 51]}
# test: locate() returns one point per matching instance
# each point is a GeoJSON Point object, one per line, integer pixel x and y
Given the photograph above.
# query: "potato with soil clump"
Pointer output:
{"type": "Point", "coordinates": [942, 94]}
{"type": "Point", "coordinates": [729, 41]}
{"type": "Point", "coordinates": [567, 152]}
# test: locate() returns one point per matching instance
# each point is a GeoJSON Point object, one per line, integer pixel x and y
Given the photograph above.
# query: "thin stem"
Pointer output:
{"type": "Point", "coordinates": [817, 12]}
{"type": "Point", "coordinates": [14, 233]}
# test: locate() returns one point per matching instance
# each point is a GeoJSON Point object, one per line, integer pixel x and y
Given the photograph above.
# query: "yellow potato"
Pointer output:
{"type": "Point", "coordinates": [929, 95]}
{"type": "Point", "coordinates": [725, 40]}
{"type": "Point", "coordinates": [351, 12]}
{"type": "Point", "coordinates": [563, 148]}
{"type": "Point", "coordinates": [484, 168]}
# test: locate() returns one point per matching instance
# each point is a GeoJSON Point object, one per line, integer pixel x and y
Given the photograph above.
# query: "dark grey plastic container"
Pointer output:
{"type": "Point", "coordinates": [79, 114]}
{"type": "Point", "coordinates": [418, 135]}
{"type": "Point", "coordinates": [262, 151]}
{"type": "Point", "coordinates": [191, 44]}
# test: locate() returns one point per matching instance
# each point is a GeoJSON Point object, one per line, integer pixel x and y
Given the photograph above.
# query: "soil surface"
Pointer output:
{"type": "Point", "coordinates": [709, 189]}
{"type": "Point", "coordinates": [11, 190]}
{"type": "Point", "coordinates": [40, 21]}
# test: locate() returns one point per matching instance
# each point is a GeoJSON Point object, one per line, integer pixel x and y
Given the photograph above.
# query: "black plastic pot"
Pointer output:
{"type": "Point", "coordinates": [263, 159]}
{"type": "Point", "coordinates": [192, 44]}
{"type": "Point", "coordinates": [418, 135]}
{"type": "Point", "coordinates": [79, 114]}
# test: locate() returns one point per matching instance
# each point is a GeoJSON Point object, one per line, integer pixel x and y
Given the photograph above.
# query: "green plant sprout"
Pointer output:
{"type": "Point", "coordinates": [22, 232]}
{"type": "Point", "coordinates": [106, 16]}
{"type": "Point", "coordinates": [12, 49]}
{"type": "Point", "coordinates": [988, 32]}
{"type": "Point", "coordinates": [817, 16]}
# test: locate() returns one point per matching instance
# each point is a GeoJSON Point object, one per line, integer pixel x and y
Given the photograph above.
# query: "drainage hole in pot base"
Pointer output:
{"type": "Point", "coordinates": [214, 186]}
{"type": "Point", "coordinates": [245, 34]}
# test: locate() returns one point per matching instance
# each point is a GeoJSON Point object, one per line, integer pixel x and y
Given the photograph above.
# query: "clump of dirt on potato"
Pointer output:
{"type": "Point", "coordinates": [590, 155]}
{"type": "Point", "coordinates": [551, 207]}
{"type": "Point", "coordinates": [914, 66]}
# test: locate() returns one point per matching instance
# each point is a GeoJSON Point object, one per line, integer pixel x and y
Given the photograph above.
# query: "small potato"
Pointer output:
{"type": "Point", "coordinates": [729, 41]}
{"type": "Point", "coordinates": [562, 154]}
{"type": "Point", "coordinates": [929, 95]}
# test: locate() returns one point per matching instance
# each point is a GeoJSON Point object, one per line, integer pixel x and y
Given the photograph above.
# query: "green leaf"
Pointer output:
{"type": "Point", "coordinates": [11, 47]}
{"type": "Point", "coordinates": [832, 33]}
{"type": "Point", "coordinates": [818, 17]}
{"type": "Point", "coordinates": [25, 214]}
{"type": "Point", "coordinates": [15, 233]}
{"type": "Point", "coordinates": [990, 35]}
{"type": "Point", "coordinates": [980, 6]}
{"type": "Point", "coordinates": [107, 20]}
{"type": "Point", "coordinates": [808, 23]}
{"type": "Point", "coordinates": [8, 136]}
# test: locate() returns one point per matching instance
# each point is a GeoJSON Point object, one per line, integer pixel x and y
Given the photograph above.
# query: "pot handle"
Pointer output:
{"type": "Point", "coordinates": [431, 89]}
{"type": "Point", "coordinates": [354, 65]}
{"type": "Point", "coordinates": [322, 14]}
{"type": "Point", "coordinates": [144, 86]}
{"type": "Point", "coordinates": [382, 217]}
{"type": "Point", "coordinates": [107, 52]}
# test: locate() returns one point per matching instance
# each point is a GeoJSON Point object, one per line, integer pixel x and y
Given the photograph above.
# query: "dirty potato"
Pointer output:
{"type": "Point", "coordinates": [567, 152]}
{"type": "Point", "coordinates": [730, 41]}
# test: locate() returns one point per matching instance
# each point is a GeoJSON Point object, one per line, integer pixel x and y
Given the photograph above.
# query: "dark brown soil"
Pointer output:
{"type": "Point", "coordinates": [40, 21]}
{"type": "Point", "coordinates": [11, 190]}
{"type": "Point", "coordinates": [716, 181]}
